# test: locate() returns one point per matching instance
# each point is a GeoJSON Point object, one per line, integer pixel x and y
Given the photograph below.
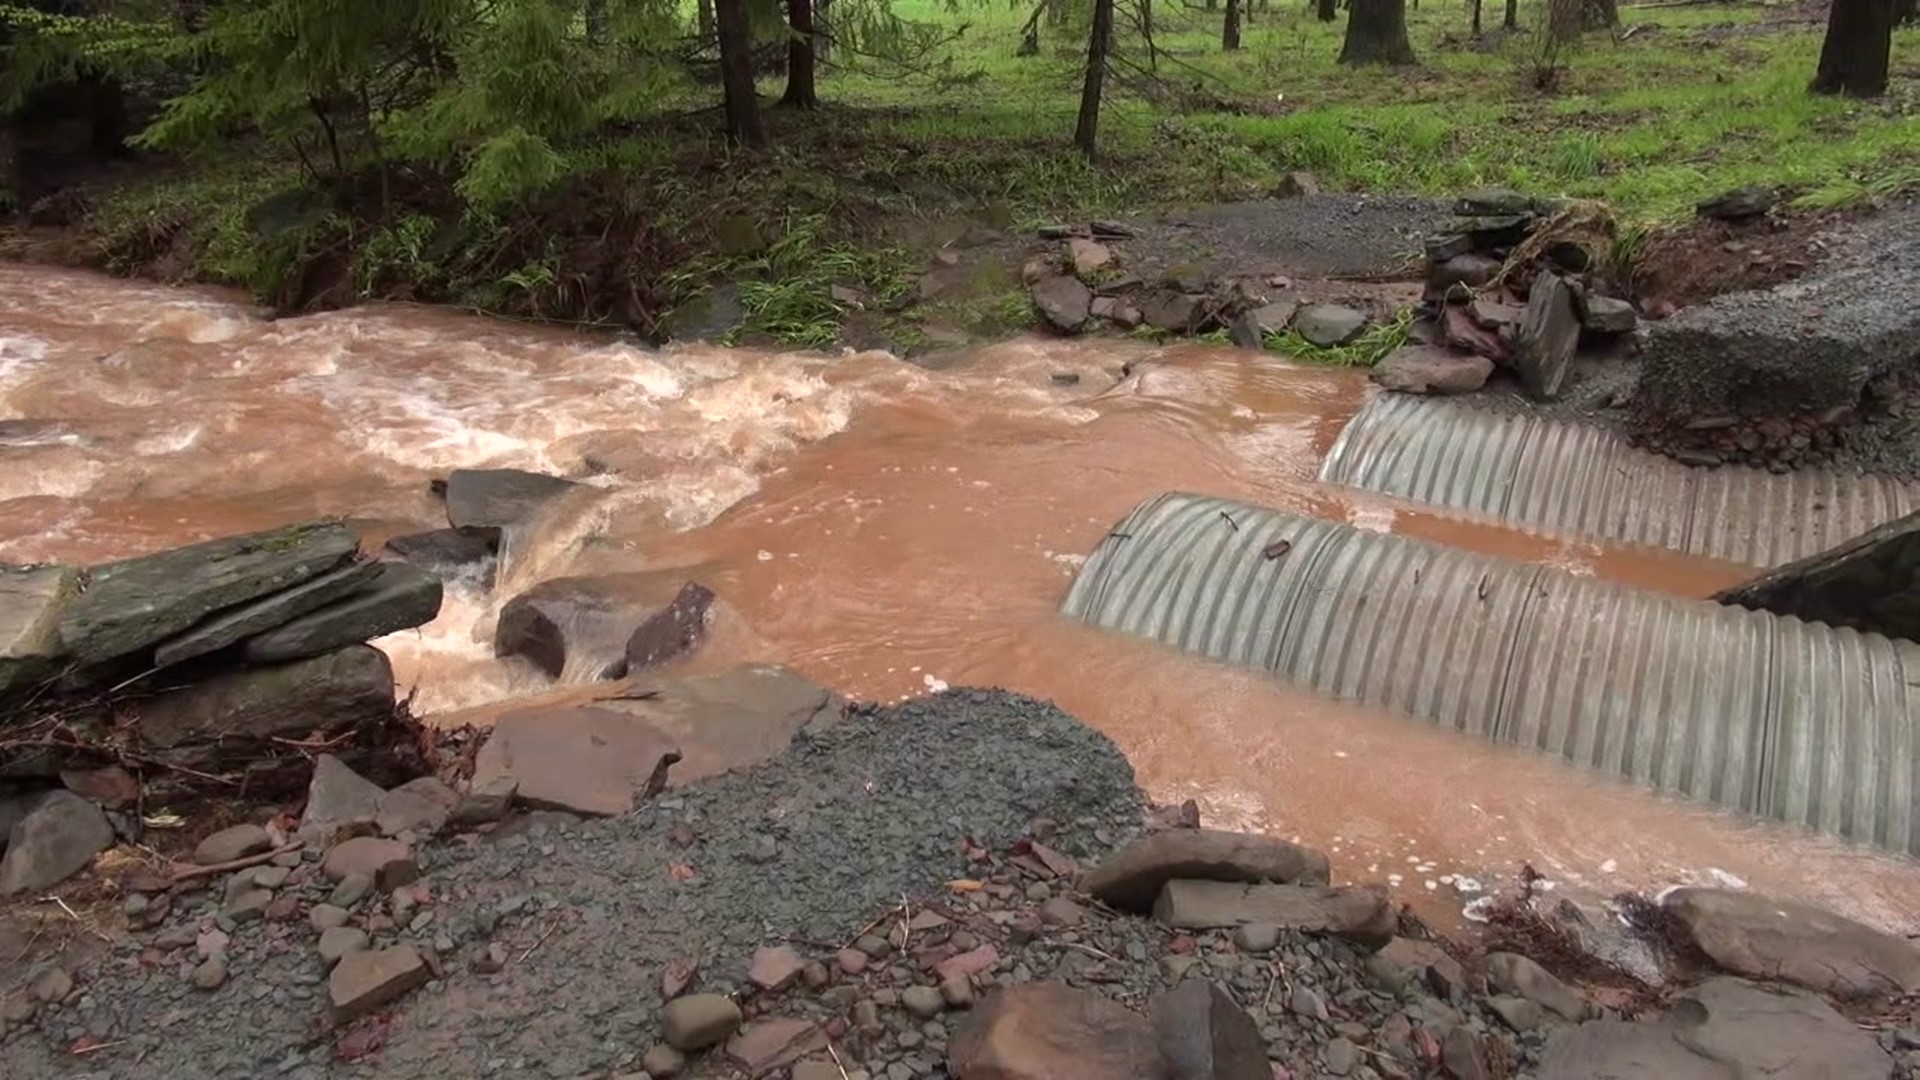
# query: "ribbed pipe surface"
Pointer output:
{"type": "Point", "coordinates": [1767, 715]}
{"type": "Point", "coordinates": [1554, 475]}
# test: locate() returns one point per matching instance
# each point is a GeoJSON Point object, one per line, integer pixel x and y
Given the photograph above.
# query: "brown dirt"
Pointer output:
{"type": "Point", "coordinates": [1705, 258]}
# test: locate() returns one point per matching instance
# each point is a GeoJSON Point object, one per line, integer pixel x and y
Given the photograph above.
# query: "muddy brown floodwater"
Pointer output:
{"type": "Point", "coordinates": [882, 528]}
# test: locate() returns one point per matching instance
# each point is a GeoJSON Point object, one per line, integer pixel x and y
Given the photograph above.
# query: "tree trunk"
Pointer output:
{"type": "Point", "coordinates": [1327, 11]}
{"type": "Point", "coordinates": [1905, 11]}
{"type": "Point", "coordinates": [800, 90]}
{"type": "Point", "coordinates": [1513, 16]}
{"type": "Point", "coordinates": [705, 23]}
{"type": "Point", "coordinates": [736, 74]}
{"type": "Point", "coordinates": [1476, 18]}
{"type": "Point", "coordinates": [1377, 33]}
{"type": "Point", "coordinates": [1853, 60]}
{"type": "Point", "coordinates": [1230, 30]}
{"type": "Point", "coordinates": [596, 15]}
{"type": "Point", "coordinates": [1086, 133]}
{"type": "Point", "coordinates": [1565, 19]}
{"type": "Point", "coordinates": [822, 31]}
{"type": "Point", "coordinates": [1146, 17]}
{"type": "Point", "coordinates": [1600, 14]}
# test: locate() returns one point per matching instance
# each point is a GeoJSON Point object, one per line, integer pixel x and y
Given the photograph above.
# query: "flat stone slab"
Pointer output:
{"type": "Point", "coordinates": [496, 498]}
{"type": "Point", "coordinates": [1432, 369]}
{"type": "Point", "coordinates": [1048, 1031]}
{"type": "Point", "coordinates": [264, 614]}
{"type": "Point", "coordinates": [132, 605]}
{"type": "Point", "coordinates": [398, 596]}
{"type": "Point", "coordinates": [364, 982]}
{"type": "Point", "coordinates": [585, 760]}
{"type": "Point", "coordinates": [338, 801]}
{"type": "Point", "coordinates": [1767, 938]}
{"type": "Point", "coordinates": [336, 691]}
{"type": "Point", "coordinates": [1363, 915]}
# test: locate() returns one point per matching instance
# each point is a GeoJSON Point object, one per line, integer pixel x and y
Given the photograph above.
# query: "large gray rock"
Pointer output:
{"type": "Point", "coordinates": [339, 802]}
{"type": "Point", "coordinates": [31, 600]}
{"type": "Point", "coordinates": [1205, 1035]}
{"type": "Point", "coordinates": [581, 628]}
{"type": "Point", "coordinates": [129, 606]}
{"type": "Point", "coordinates": [449, 553]}
{"type": "Point", "coordinates": [264, 614]}
{"type": "Point", "coordinates": [496, 498]}
{"type": "Point", "coordinates": [1767, 938]}
{"type": "Point", "coordinates": [1173, 312]}
{"type": "Point", "coordinates": [1430, 369]}
{"type": "Point", "coordinates": [1808, 346]}
{"type": "Point", "coordinates": [336, 691]}
{"type": "Point", "coordinates": [1131, 879]}
{"type": "Point", "coordinates": [1544, 344]}
{"type": "Point", "coordinates": [397, 597]}
{"type": "Point", "coordinates": [1520, 975]}
{"type": "Point", "coordinates": [1063, 301]}
{"type": "Point", "coordinates": [1329, 325]}
{"type": "Point", "coordinates": [53, 842]}
{"type": "Point", "coordinates": [585, 760]}
{"type": "Point", "coordinates": [1723, 1029]}
{"type": "Point", "coordinates": [1739, 204]}
{"type": "Point", "coordinates": [1871, 583]}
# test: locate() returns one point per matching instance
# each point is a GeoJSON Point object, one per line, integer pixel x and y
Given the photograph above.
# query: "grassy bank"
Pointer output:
{"type": "Point", "coordinates": [1685, 102]}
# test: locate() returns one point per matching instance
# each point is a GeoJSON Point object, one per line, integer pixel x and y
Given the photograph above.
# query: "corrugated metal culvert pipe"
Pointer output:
{"type": "Point", "coordinates": [1557, 476]}
{"type": "Point", "coordinates": [1766, 715]}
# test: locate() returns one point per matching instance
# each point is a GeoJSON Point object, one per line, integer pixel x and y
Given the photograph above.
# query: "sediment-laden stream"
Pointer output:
{"type": "Point", "coordinates": [883, 528]}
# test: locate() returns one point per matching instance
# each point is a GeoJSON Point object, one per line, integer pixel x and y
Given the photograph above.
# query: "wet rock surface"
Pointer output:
{"type": "Point", "coordinates": [1870, 583]}
{"type": "Point", "coordinates": [1764, 937]}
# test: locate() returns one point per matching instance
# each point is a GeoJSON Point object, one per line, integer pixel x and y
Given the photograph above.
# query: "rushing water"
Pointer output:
{"type": "Point", "coordinates": [882, 528]}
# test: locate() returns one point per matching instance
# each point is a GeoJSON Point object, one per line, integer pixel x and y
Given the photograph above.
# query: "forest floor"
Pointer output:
{"type": "Point", "coordinates": [970, 149]}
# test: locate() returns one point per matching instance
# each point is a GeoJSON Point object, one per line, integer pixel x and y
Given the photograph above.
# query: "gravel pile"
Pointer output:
{"type": "Point", "coordinates": [581, 919]}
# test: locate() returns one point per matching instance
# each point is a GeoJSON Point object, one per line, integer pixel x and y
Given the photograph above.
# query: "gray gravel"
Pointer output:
{"type": "Point", "coordinates": [1330, 234]}
{"type": "Point", "coordinates": [807, 846]}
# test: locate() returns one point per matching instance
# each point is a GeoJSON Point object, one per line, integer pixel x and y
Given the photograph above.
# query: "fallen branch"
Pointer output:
{"type": "Point", "coordinates": [235, 864]}
{"type": "Point", "coordinates": [75, 916]}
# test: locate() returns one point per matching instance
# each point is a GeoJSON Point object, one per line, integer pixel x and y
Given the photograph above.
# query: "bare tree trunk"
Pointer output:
{"type": "Point", "coordinates": [1327, 11]}
{"type": "Point", "coordinates": [1599, 14]}
{"type": "Point", "coordinates": [1377, 33]}
{"type": "Point", "coordinates": [1513, 16]}
{"type": "Point", "coordinates": [704, 15]}
{"type": "Point", "coordinates": [800, 89]}
{"type": "Point", "coordinates": [1086, 133]}
{"type": "Point", "coordinates": [1476, 18]}
{"type": "Point", "coordinates": [1230, 30]}
{"type": "Point", "coordinates": [736, 74]}
{"type": "Point", "coordinates": [1565, 19]}
{"type": "Point", "coordinates": [1853, 60]}
{"type": "Point", "coordinates": [1146, 17]}
{"type": "Point", "coordinates": [822, 31]}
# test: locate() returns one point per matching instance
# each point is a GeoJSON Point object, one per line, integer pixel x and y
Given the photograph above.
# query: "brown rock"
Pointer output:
{"type": "Point", "coordinates": [1441, 972]}
{"type": "Point", "coordinates": [1295, 185]}
{"type": "Point", "coordinates": [1047, 1031]}
{"type": "Point", "coordinates": [775, 969]}
{"type": "Point", "coordinates": [766, 1045]}
{"type": "Point", "coordinates": [483, 804]}
{"type": "Point", "coordinates": [112, 787]}
{"type": "Point", "coordinates": [971, 962]}
{"type": "Point", "coordinates": [1466, 271]}
{"type": "Point", "coordinates": [583, 760]}
{"type": "Point", "coordinates": [338, 941]}
{"type": "Point", "coordinates": [1204, 1035]}
{"type": "Point", "coordinates": [1062, 911]}
{"type": "Point", "coordinates": [1428, 369]}
{"type": "Point", "coordinates": [1517, 974]}
{"type": "Point", "coordinates": [851, 961]}
{"type": "Point", "coordinates": [1089, 257]}
{"type": "Point", "coordinates": [1360, 914]}
{"type": "Point", "coordinates": [698, 1021]}
{"type": "Point", "coordinates": [233, 842]}
{"type": "Point", "coordinates": [419, 806]}
{"type": "Point", "coordinates": [1464, 1056]}
{"type": "Point", "coordinates": [339, 802]}
{"type": "Point", "coordinates": [1131, 878]}
{"type": "Point", "coordinates": [1460, 332]}
{"type": "Point", "coordinates": [363, 982]}
{"type": "Point", "coordinates": [389, 863]}
{"type": "Point", "coordinates": [1174, 312]}
{"type": "Point", "coordinates": [1797, 943]}
{"type": "Point", "coordinates": [1063, 301]}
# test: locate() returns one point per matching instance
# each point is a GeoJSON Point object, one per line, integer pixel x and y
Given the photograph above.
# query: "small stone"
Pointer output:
{"type": "Point", "coordinates": [1340, 1056]}
{"type": "Point", "coordinates": [1256, 938]}
{"type": "Point", "coordinates": [1089, 257]}
{"type": "Point", "coordinates": [1062, 911]}
{"type": "Point", "coordinates": [1307, 1003]}
{"type": "Point", "coordinates": [233, 842]}
{"type": "Point", "coordinates": [1039, 891]}
{"type": "Point", "coordinates": [775, 969]}
{"type": "Point", "coordinates": [924, 1002]}
{"type": "Point", "coordinates": [211, 943]}
{"type": "Point", "coordinates": [388, 862]}
{"type": "Point", "coordinates": [663, 1061]}
{"type": "Point", "coordinates": [270, 877]}
{"type": "Point", "coordinates": [338, 941]}
{"type": "Point", "coordinates": [325, 917]}
{"type": "Point", "coordinates": [1296, 184]}
{"type": "Point", "coordinates": [1329, 325]}
{"type": "Point", "coordinates": [815, 975]}
{"type": "Point", "coordinates": [51, 986]}
{"type": "Point", "coordinates": [866, 1017]}
{"type": "Point", "coordinates": [211, 973]}
{"type": "Point", "coordinates": [1606, 315]}
{"type": "Point", "coordinates": [1740, 204]}
{"type": "Point", "coordinates": [874, 946]}
{"type": "Point", "coordinates": [909, 1039]}
{"type": "Point", "coordinates": [851, 961]}
{"type": "Point", "coordinates": [957, 991]}
{"type": "Point", "coordinates": [698, 1021]}
{"type": "Point", "coordinates": [249, 906]}
{"type": "Point", "coordinates": [352, 889]}
{"type": "Point", "coordinates": [1516, 1012]}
